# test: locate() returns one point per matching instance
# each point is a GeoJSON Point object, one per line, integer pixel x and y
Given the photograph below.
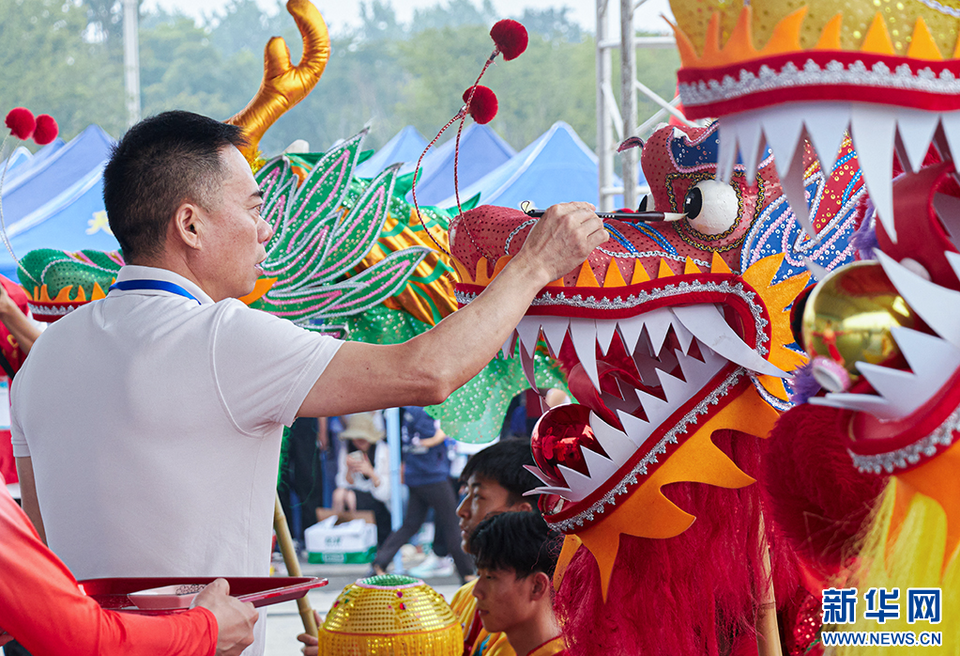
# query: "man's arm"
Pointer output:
{"type": "Point", "coordinates": [22, 329]}
{"type": "Point", "coordinates": [428, 368]}
{"type": "Point", "coordinates": [28, 495]}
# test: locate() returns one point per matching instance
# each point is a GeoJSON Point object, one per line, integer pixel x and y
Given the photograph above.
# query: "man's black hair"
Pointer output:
{"type": "Point", "coordinates": [502, 463]}
{"type": "Point", "coordinates": [519, 541]}
{"type": "Point", "coordinates": [159, 163]}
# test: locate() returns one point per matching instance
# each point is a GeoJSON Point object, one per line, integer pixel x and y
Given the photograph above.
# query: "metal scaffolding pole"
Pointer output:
{"type": "Point", "coordinates": [605, 148]}
{"type": "Point", "coordinates": [131, 59]}
{"type": "Point", "coordinates": [628, 102]}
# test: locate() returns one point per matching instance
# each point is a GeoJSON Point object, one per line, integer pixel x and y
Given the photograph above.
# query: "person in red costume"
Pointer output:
{"type": "Point", "coordinates": [42, 607]}
{"type": "Point", "coordinates": [17, 335]}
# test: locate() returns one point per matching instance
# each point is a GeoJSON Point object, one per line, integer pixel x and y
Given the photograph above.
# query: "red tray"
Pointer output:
{"type": "Point", "coordinates": [260, 591]}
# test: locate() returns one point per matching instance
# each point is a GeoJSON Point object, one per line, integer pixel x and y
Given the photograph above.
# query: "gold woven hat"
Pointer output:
{"type": "Point", "coordinates": [390, 615]}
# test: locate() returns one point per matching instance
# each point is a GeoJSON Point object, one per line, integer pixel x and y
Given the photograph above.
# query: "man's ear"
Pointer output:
{"type": "Point", "coordinates": [523, 506]}
{"type": "Point", "coordinates": [541, 586]}
{"type": "Point", "coordinates": [187, 224]}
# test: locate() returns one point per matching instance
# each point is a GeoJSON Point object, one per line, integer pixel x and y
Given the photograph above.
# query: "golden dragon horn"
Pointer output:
{"type": "Point", "coordinates": [284, 85]}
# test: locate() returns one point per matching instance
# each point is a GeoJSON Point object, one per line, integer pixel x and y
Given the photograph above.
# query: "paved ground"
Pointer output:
{"type": "Point", "coordinates": [283, 620]}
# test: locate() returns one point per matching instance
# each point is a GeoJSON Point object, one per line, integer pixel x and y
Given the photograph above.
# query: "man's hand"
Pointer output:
{"type": "Point", "coordinates": [563, 238]}
{"type": "Point", "coordinates": [310, 643]}
{"type": "Point", "coordinates": [235, 619]}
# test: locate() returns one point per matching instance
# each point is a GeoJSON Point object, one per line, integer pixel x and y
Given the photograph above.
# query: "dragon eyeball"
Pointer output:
{"type": "Point", "coordinates": [711, 207]}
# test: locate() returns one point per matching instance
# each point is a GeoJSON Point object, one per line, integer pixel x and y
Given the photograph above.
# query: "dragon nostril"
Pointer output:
{"type": "Point", "coordinates": [693, 203]}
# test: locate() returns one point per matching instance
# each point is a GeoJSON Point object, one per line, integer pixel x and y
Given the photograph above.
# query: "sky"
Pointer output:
{"type": "Point", "coordinates": [340, 14]}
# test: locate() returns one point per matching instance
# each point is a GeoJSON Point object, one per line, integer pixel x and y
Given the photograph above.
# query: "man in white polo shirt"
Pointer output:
{"type": "Point", "coordinates": [147, 425]}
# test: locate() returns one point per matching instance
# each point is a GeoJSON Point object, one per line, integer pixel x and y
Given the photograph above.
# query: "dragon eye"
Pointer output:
{"type": "Point", "coordinates": [711, 207]}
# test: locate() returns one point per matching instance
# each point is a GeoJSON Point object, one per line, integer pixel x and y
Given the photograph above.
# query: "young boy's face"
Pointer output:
{"type": "Point", "coordinates": [503, 600]}
{"type": "Point", "coordinates": [484, 497]}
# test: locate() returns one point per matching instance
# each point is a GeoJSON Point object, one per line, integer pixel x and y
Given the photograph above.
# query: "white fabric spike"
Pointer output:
{"type": "Point", "coordinates": [818, 272]}
{"type": "Point", "coordinates": [558, 490]}
{"type": "Point", "coordinates": [916, 128]}
{"type": "Point", "coordinates": [697, 373]}
{"type": "Point", "coordinates": [951, 130]}
{"type": "Point", "coordinates": [630, 329]}
{"type": "Point", "coordinates": [657, 324]}
{"type": "Point", "coordinates": [708, 325]}
{"type": "Point", "coordinates": [583, 334]}
{"type": "Point", "coordinates": [953, 259]}
{"type": "Point", "coordinates": [727, 153]}
{"type": "Point", "coordinates": [948, 209]}
{"type": "Point", "coordinates": [750, 143]}
{"type": "Point", "coordinates": [615, 443]}
{"type": "Point", "coordinates": [544, 477]}
{"type": "Point", "coordinates": [873, 405]}
{"type": "Point", "coordinates": [903, 391]}
{"type": "Point", "coordinates": [783, 128]}
{"type": "Point", "coordinates": [938, 306]}
{"type": "Point", "coordinates": [507, 348]}
{"type": "Point", "coordinates": [676, 391]}
{"type": "Point", "coordinates": [554, 329]}
{"type": "Point", "coordinates": [655, 410]}
{"type": "Point", "coordinates": [580, 486]}
{"type": "Point", "coordinates": [527, 363]}
{"type": "Point", "coordinates": [872, 128]}
{"type": "Point", "coordinates": [684, 336]}
{"type": "Point", "coordinates": [600, 467]}
{"type": "Point", "coordinates": [637, 430]}
{"type": "Point", "coordinates": [605, 330]}
{"type": "Point", "coordinates": [826, 131]}
{"type": "Point", "coordinates": [528, 330]}
{"type": "Point", "coordinates": [795, 190]}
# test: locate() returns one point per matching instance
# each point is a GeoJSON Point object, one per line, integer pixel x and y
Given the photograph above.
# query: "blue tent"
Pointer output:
{"type": "Point", "coordinates": [481, 150]}
{"type": "Point", "coordinates": [56, 201]}
{"type": "Point", "coordinates": [405, 147]}
{"type": "Point", "coordinates": [558, 167]}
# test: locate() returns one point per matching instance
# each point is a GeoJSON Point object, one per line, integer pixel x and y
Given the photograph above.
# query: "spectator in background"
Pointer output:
{"type": "Point", "coordinates": [363, 470]}
{"type": "Point", "coordinates": [426, 474]}
{"type": "Point", "coordinates": [301, 476]}
{"type": "Point", "coordinates": [17, 335]}
{"type": "Point", "coordinates": [516, 554]}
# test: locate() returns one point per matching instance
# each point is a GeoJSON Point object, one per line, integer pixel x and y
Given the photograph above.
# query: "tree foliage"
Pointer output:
{"type": "Point", "coordinates": [65, 57]}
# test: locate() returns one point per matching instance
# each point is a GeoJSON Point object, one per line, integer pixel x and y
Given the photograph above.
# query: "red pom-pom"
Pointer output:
{"type": "Point", "coordinates": [46, 131]}
{"type": "Point", "coordinates": [483, 106]}
{"type": "Point", "coordinates": [21, 122]}
{"type": "Point", "coordinates": [510, 37]}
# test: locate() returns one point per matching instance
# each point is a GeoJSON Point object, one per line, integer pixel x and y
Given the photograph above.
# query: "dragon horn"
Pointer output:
{"type": "Point", "coordinates": [284, 85]}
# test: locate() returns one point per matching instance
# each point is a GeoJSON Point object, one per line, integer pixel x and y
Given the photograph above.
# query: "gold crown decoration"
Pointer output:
{"type": "Point", "coordinates": [780, 73]}
{"type": "Point", "coordinates": [390, 614]}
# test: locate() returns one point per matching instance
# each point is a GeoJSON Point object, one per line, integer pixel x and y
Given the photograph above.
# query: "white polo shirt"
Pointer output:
{"type": "Point", "coordinates": [154, 424]}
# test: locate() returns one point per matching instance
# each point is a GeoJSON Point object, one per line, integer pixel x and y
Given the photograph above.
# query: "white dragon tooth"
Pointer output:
{"type": "Point", "coordinates": [697, 373]}
{"type": "Point", "coordinates": [615, 443]}
{"type": "Point", "coordinates": [674, 389]}
{"type": "Point", "coordinates": [727, 152]}
{"type": "Point", "coordinates": [583, 334]}
{"type": "Point", "coordinates": [750, 143]}
{"type": "Point", "coordinates": [528, 330]}
{"type": "Point", "coordinates": [554, 329]}
{"type": "Point", "coordinates": [527, 363]}
{"type": "Point", "coordinates": [783, 127]}
{"type": "Point", "coordinates": [580, 486]}
{"type": "Point", "coordinates": [558, 490]}
{"type": "Point", "coordinates": [708, 325]}
{"type": "Point", "coordinates": [938, 306]}
{"type": "Point", "coordinates": [827, 130]}
{"type": "Point", "coordinates": [654, 409]}
{"type": "Point", "coordinates": [869, 403]}
{"type": "Point", "coordinates": [948, 210]}
{"type": "Point", "coordinates": [950, 121]}
{"type": "Point", "coordinates": [818, 272]}
{"type": "Point", "coordinates": [903, 391]}
{"type": "Point", "coordinates": [605, 330]}
{"type": "Point", "coordinates": [544, 477]}
{"type": "Point", "coordinates": [507, 348]}
{"type": "Point", "coordinates": [600, 467]}
{"type": "Point", "coordinates": [872, 129]}
{"type": "Point", "coordinates": [684, 336]}
{"type": "Point", "coordinates": [915, 129]}
{"type": "Point", "coordinates": [637, 430]}
{"type": "Point", "coordinates": [954, 260]}
{"type": "Point", "coordinates": [630, 329]}
{"type": "Point", "coordinates": [657, 324]}
{"type": "Point", "coordinates": [794, 188]}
